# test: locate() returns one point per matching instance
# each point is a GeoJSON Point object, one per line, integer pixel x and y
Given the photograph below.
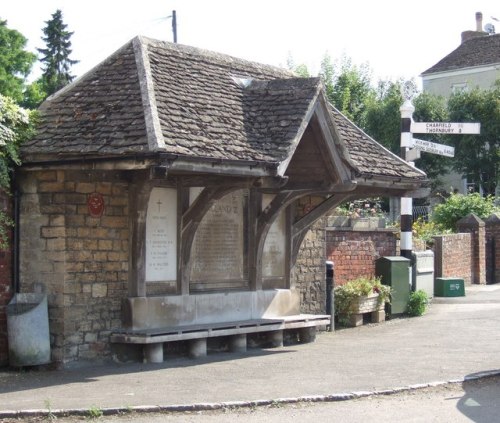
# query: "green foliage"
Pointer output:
{"type": "Point", "coordinates": [478, 156]}
{"type": "Point", "coordinates": [55, 57]}
{"type": "Point", "coordinates": [94, 413]}
{"type": "Point", "coordinates": [15, 62]}
{"type": "Point", "coordinates": [348, 87]}
{"type": "Point", "coordinates": [457, 206]}
{"type": "Point", "coordinates": [344, 295]}
{"type": "Point", "coordinates": [382, 119]}
{"type": "Point", "coordinates": [15, 126]}
{"type": "Point", "coordinates": [417, 303]}
{"type": "Point", "coordinates": [425, 231]}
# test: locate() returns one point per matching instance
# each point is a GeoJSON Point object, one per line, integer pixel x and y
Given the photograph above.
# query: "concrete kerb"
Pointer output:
{"type": "Point", "coordinates": [179, 408]}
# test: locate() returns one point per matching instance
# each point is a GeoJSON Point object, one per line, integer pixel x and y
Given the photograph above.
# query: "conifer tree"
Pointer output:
{"type": "Point", "coordinates": [55, 58]}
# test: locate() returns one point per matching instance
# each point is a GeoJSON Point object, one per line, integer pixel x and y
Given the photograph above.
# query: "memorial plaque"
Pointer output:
{"type": "Point", "coordinates": [161, 235]}
{"type": "Point", "coordinates": [273, 256]}
{"type": "Point", "coordinates": [219, 245]}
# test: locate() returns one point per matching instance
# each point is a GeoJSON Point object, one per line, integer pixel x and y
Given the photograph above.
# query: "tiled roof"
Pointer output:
{"type": "Point", "coordinates": [153, 96]}
{"type": "Point", "coordinates": [367, 156]}
{"type": "Point", "coordinates": [100, 114]}
{"type": "Point", "coordinates": [220, 107]}
{"type": "Point", "coordinates": [478, 51]}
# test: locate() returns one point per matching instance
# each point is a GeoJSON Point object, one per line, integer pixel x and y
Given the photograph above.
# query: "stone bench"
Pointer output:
{"type": "Point", "coordinates": [197, 335]}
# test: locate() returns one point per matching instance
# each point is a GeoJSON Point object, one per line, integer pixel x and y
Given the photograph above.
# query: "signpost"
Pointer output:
{"type": "Point", "coordinates": [411, 148]}
{"type": "Point", "coordinates": [445, 128]}
{"type": "Point", "coordinates": [434, 148]}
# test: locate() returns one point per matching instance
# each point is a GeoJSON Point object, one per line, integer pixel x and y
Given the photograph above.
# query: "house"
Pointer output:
{"type": "Point", "coordinates": [475, 63]}
{"type": "Point", "coordinates": [172, 188]}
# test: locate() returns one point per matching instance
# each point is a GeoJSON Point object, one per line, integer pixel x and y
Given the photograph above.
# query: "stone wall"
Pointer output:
{"type": "Point", "coordinates": [80, 260]}
{"type": "Point", "coordinates": [309, 274]}
{"type": "Point", "coordinates": [453, 256]}
{"type": "Point", "coordinates": [5, 290]}
{"type": "Point", "coordinates": [354, 252]}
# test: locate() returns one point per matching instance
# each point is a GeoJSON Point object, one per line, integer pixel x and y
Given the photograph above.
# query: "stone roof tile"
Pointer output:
{"type": "Point", "coordinates": [478, 51]}
{"type": "Point", "coordinates": [200, 104]}
{"type": "Point", "coordinates": [367, 156]}
{"type": "Point", "coordinates": [102, 113]}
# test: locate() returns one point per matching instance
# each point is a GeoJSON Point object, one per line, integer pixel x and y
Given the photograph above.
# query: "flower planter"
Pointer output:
{"type": "Point", "coordinates": [362, 305]}
{"type": "Point", "coordinates": [360, 223]}
{"type": "Point", "coordinates": [356, 223]}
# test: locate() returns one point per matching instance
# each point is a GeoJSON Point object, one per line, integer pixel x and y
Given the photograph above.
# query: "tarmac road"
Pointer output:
{"type": "Point", "coordinates": [476, 401]}
{"type": "Point", "coordinates": [456, 339]}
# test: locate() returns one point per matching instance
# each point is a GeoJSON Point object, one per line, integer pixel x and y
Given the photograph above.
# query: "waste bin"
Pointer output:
{"type": "Point", "coordinates": [395, 272]}
{"type": "Point", "coordinates": [28, 330]}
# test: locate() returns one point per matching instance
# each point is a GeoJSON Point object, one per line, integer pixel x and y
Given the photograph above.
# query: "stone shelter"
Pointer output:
{"type": "Point", "coordinates": [161, 199]}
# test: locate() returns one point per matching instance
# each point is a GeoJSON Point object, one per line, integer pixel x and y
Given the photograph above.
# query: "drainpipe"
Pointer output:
{"type": "Point", "coordinates": [15, 242]}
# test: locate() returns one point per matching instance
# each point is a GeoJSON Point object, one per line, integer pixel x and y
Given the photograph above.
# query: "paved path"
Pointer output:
{"type": "Point", "coordinates": [458, 337]}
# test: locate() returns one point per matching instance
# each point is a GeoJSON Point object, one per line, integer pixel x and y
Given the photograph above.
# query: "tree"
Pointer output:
{"type": "Point", "coordinates": [16, 124]}
{"type": "Point", "coordinates": [382, 120]}
{"type": "Point", "coordinates": [55, 57]}
{"type": "Point", "coordinates": [348, 87]}
{"type": "Point", "coordinates": [478, 156]}
{"type": "Point", "coordinates": [15, 62]}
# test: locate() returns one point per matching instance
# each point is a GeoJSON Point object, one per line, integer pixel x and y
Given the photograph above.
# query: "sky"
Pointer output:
{"type": "Point", "coordinates": [396, 39]}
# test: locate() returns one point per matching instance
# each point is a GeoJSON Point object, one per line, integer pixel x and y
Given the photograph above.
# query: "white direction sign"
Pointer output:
{"type": "Point", "coordinates": [434, 148]}
{"type": "Point", "coordinates": [445, 128]}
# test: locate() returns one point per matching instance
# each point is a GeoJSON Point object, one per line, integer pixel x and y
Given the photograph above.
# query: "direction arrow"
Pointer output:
{"type": "Point", "coordinates": [445, 128]}
{"type": "Point", "coordinates": [434, 148]}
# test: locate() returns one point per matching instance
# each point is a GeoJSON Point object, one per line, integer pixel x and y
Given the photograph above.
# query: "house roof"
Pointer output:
{"type": "Point", "coordinates": [156, 97]}
{"type": "Point", "coordinates": [478, 51]}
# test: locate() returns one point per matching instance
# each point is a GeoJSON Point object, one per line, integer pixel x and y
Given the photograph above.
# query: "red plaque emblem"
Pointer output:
{"type": "Point", "coordinates": [95, 203]}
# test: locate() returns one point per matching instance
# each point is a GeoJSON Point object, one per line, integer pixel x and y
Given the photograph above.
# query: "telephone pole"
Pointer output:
{"type": "Point", "coordinates": [174, 25]}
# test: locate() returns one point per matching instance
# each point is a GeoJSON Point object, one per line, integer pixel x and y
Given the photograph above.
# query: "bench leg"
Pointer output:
{"type": "Point", "coordinates": [276, 338]}
{"type": "Point", "coordinates": [307, 334]}
{"type": "Point", "coordinates": [153, 353]}
{"type": "Point", "coordinates": [198, 348]}
{"type": "Point", "coordinates": [238, 343]}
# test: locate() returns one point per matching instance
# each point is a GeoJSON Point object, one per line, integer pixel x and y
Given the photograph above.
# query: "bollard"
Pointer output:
{"type": "Point", "coordinates": [330, 296]}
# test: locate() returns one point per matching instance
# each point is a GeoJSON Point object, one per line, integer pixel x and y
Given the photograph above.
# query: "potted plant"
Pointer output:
{"type": "Point", "coordinates": [359, 296]}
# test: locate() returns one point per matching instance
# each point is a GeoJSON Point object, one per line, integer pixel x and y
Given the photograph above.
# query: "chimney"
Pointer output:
{"type": "Point", "coordinates": [467, 35]}
{"type": "Point", "coordinates": [479, 22]}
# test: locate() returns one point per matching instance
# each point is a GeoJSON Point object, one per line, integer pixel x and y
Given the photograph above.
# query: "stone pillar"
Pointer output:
{"type": "Point", "coordinates": [276, 338]}
{"type": "Point", "coordinates": [153, 353]}
{"type": "Point", "coordinates": [492, 230]}
{"type": "Point", "coordinates": [238, 343]}
{"type": "Point", "coordinates": [476, 227]}
{"type": "Point", "coordinates": [198, 348]}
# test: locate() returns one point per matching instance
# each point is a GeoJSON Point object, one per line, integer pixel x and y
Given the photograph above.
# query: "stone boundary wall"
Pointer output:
{"type": "Point", "coordinates": [453, 256]}
{"type": "Point", "coordinates": [5, 288]}
{"type": "Point", "coordinates": [354, 252]}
